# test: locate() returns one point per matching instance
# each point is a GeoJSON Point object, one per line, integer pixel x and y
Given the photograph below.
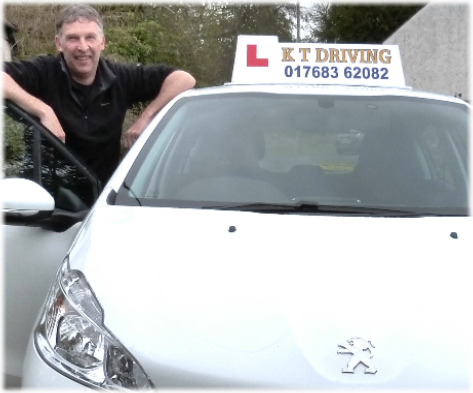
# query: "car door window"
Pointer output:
{"type": "Point", "coordinates": [12, 145]}
{"type": "Point", "coordinates": [59, 175]}
{"type": "Point", "coordinates": [32, 152]}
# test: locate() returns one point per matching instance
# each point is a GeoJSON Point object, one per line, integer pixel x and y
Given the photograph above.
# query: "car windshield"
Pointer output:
{"type": "Point", "coordinates": [254, 149]}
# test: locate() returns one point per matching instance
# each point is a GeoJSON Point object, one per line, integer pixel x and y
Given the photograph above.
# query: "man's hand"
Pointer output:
{"type": "Point", "coordinates": [132, 134]}
{"type": "Point", "coordinates": [174, 84]}
{"type": "Point", "coordinates": [51, 122]}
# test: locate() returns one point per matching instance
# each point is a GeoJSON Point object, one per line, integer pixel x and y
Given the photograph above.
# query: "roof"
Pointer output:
{"type": "Point", "coordinates": [305, 89]}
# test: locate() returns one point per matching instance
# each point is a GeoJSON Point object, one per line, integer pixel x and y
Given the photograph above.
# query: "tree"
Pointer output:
{"type": "Point", "coordinates": [369, 23]}
{"type": "Point", "coordinates": [232, 20]}
{"type": "Point", "coordinates": [200, 39]}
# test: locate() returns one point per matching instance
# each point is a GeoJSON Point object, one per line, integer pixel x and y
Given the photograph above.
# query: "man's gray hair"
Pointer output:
{"type": "Point", "coordinates": [75, 12]}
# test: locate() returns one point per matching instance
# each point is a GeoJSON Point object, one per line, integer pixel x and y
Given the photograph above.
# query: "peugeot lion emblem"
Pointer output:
{"type": "Point", "coordinates": [361, 351]}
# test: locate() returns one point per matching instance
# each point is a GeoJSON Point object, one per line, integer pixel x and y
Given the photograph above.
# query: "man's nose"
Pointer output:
{"type": "Point", "coordinates": [83, 45]}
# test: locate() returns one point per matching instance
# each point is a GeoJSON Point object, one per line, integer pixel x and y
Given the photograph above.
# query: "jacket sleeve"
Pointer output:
{"type": "Point", "coordinates": [31, 75]}
{"type": "Point", "coordinates": [142, 83]}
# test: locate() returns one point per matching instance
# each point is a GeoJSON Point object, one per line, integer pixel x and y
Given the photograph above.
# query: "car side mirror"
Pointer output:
{"type": "Point", "coordinates": [25, 202]}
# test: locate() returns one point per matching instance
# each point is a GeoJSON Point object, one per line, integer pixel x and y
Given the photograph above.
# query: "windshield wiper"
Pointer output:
{"type": "Point", "coordinates": [368, 210]}
{"type": "Point", "coordinates": [127, 187]}
{"type": "Point", "coordinates": [314, 207]}
{"type": "Point", "coordinates": [386, 211]}
{"type": "Point", "coordinates": [261, 207]}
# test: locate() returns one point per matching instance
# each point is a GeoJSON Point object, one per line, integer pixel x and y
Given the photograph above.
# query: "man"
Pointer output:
{"type": "Point", "coordinates": [83, 98]}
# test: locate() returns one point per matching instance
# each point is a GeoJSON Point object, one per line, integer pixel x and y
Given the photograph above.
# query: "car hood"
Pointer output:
{"type": "Point", "coordinates": [268, 302]}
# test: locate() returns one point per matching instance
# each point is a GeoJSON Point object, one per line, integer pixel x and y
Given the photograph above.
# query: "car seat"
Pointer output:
{"type": "Point", "coordinates": [388, 169]}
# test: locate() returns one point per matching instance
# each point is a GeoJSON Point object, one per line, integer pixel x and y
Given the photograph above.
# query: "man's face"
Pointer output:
{"type": "Point", "coordinates": [81, 43]}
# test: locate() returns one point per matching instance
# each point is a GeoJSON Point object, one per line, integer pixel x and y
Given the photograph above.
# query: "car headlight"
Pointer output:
{"type": "Point", "coordinates": [71, 337]}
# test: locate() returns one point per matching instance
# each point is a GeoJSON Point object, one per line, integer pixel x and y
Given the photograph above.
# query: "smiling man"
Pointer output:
{"type": "Point", "coordinates": [83, 98]}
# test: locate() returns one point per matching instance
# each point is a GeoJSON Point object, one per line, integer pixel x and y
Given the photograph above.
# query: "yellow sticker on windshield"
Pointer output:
{"type": "Point", "coordinates": [337, 167]}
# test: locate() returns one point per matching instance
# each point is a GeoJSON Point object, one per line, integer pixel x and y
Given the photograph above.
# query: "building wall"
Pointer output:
{"type": "Point", "coordinates": [6, 50]}
{"type": "Point", "coordinates": [435, 49]}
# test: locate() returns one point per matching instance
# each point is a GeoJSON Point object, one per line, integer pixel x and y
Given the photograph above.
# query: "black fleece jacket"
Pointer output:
{"type": "Point", "coordinates": [92, 126]}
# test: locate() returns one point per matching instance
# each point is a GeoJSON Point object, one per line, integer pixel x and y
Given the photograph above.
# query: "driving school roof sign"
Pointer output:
{"type": "Point", "coordinates": [262, 59]}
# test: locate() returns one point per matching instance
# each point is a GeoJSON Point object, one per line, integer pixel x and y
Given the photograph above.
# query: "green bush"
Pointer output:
{"type": "Point", "coordinates": [13, 145]}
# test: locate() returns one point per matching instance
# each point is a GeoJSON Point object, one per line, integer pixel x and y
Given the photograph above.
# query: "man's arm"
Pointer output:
{"type": "Point", "coordinates": [12, 91]}
{"type": "Point", "coordinates": [174, 84]}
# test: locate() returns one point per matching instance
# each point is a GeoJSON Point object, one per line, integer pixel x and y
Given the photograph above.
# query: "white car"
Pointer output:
{"type": "Point", "coordinates": [234, 247]}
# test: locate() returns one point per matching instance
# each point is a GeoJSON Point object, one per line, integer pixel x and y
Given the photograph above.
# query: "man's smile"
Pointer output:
{"type": "Point", "coordinates": [82, 57]}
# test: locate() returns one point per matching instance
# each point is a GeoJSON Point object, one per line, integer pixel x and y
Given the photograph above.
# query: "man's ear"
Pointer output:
{"type": "Point", "coordinates": [102, 45]}
{"type": "Point", "coordinates": [57, 41]}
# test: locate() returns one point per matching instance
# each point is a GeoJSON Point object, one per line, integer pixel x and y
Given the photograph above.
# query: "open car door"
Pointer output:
{"type": "Point", "coordinates": [46, 192]}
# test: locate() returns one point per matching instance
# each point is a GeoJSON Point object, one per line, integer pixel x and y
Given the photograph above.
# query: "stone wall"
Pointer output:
{"type": "Point", "coordinates": [434, 46]}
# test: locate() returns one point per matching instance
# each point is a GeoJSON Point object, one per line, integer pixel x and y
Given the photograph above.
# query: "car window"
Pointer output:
{"type": "Point", "coordinates": [12, 146]}
{"type": "Point", "coordinates": [31, 152]}
{"type": "Point", "coordinates": [372, 151]}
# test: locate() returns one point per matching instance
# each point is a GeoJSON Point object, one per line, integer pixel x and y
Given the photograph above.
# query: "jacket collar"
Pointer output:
{"type": "Point", "coordinates": [104, 78]}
